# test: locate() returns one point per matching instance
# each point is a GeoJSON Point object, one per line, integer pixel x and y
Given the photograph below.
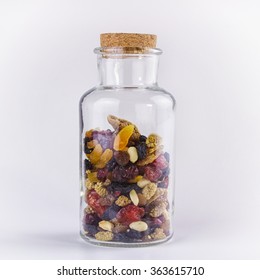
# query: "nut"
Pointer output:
{"type": "Point", "coordinates": [104, 235]}
{"type": "Point", "coordinates": [123, 201]}
{"type": "Point", "coordinates": [134, 197]}
{"type": "Point", "coordinates": [132, 151]}
{"type": "Point", "coordinates": [105, 225]}
{"type": "Point", "coordinates": [143, 182]}
{"type": "Point", "coordinates": [149, 190]}
{"type": "Point", "coordinates": [139, 226]}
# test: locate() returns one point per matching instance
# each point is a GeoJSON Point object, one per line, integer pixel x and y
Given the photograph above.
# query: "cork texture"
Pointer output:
{"type": "Point", "coordinates": [128, 40]}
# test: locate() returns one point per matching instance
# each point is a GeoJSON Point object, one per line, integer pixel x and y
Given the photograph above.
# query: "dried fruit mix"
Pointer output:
{"type": "Point", "coordinates": [126, 183]}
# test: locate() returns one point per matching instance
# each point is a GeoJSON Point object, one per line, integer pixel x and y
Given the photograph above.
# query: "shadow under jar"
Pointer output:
{"type": "Point", "coordinates": [127, 147]}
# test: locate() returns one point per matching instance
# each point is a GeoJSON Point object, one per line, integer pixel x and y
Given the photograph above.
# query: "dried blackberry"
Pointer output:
{"type": "Point", "coordinates": [86, 149]}
{"type": "Point", "coordinates": [133, 234]}
{"type": "Point", "coordinates": [111, 165]}
{"type": "Point", "coordinates": [141, 150]}
{"type": "Point", "coordinates": [123, 188]}
{"type": "Point", "coordinates": [123, 174]}
{"type": "Point", "coordinates": [111, 212]}
{"type": "Point", "coordinates": [87, 165]}
{"type": "Point", "coordinates": [142, 138]}
{"type": "Point", "coordinates": [91, 229]}
{"type": "Point", "coordinates": [122, 237]}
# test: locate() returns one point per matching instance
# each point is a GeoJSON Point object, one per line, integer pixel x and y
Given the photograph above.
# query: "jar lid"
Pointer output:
{"type": "Point", "coordinates": [127, 40]}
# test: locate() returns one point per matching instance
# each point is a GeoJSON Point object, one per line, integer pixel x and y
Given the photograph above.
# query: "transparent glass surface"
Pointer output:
{"type": "Point", "coordinates": [127, 154]}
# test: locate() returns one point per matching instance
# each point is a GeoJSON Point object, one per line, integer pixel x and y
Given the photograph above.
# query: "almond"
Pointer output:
{"type": "Point", "coordinates": [105, 225]}
{"type": "Point", "coordinates": [139, 226]}
{"type": "Point", "coordinates": [134, 197]}
{"type": "Point", "coordinates": [142, 183]}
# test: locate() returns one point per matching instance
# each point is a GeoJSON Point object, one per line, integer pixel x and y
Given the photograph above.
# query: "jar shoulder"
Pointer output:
{"type": "Point", "coordinates": [147, 94]}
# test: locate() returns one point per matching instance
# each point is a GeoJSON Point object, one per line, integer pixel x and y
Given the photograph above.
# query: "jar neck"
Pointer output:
{"type": "Point", "coordinates": [128, 70]}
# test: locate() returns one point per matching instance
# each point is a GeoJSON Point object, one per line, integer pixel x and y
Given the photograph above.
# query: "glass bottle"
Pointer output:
{"type": "Point", "coordinates": [127, 147]}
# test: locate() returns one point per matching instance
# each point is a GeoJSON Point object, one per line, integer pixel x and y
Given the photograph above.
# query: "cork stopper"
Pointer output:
{"type": "Point", "coordinates": [127, 40]}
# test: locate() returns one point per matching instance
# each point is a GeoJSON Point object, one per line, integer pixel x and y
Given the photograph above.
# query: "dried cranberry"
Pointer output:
{"type": "Point", "coordinates": [160, 162]}
{"type": "Point", "coordinates": [129, 214]}
{"type": "Point", "coordinates": [151, 173]}
{"type": "Point", "coordinates": [102, 174]}
{"type": "Point", "coordinates": [93, 202]}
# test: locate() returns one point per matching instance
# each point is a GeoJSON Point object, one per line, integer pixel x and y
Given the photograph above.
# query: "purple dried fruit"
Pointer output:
{"type": "Point", "coordinates": [141, 150]}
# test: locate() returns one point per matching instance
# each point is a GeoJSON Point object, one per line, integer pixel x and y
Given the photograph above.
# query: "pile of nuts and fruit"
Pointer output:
{"type": "Point", "coordinates": [126, 183]}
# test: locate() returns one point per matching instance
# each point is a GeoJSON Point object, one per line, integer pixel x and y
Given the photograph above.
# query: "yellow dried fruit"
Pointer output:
{"type": "Point", "coordinates": [118, 124]}
{"type": "Point", "coordinates": [158, 234]}
{"type": "Point", "coordinates": [100, 189]}
{"type": "Point", "coordinates": [136, 179]}
{"type": "Point", "coordinates": [160, 193]}
{"type": "Point", "coordinates": [149, 190]}
{"type": "Point", "coordinates": [158, 210]}
{"type": "Point", "coordinates": [104, 159]}
{"type": "Point", "coordinates": [95, 155]}
{"type": "Point", "coordinates": [153, 140]}
{"type": "Point", "coordinates": [149, 159]}
{"type": "Point", "coordinates": [104, 235]}
{"type": "Point", "coordinates": [92, 176]}
{"type": "Point", "coordinates": [122, 138]}
{"type": "Point", "coordinates": [89, 185]}
{"type": "Point", "coordinates": [122, 201]}
{"type": "Point", "coordinates": [88, 133]}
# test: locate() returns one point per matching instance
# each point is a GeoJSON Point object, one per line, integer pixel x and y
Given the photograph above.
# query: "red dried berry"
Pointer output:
{"type": "Point", "coordinates": [160, 162]}
{"type": "Point", "coordinates": [152, 173]}
{"type": "Point", "coordinates": [93, 202]}
{"type": "Point", "coordinates": [129, 214]}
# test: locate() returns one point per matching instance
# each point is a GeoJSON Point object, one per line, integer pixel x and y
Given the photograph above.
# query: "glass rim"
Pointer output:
{"type": "Point", "coordinates": [127, 51]}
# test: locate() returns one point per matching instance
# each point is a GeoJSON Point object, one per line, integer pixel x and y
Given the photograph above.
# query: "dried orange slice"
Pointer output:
{"type": "Point", "coordinates": [122, 137]}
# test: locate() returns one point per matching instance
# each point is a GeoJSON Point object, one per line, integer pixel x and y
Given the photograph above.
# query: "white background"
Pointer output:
{"type": "Point", "coordinates": [211, 63]}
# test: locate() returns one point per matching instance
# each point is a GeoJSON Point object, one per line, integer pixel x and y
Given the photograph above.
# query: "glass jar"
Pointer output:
{"type": "Point", "coordinates": [127, 147]}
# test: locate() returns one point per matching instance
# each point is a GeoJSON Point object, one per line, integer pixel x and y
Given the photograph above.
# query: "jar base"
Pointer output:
{"type": "Point", "coordinates": [123, 244]}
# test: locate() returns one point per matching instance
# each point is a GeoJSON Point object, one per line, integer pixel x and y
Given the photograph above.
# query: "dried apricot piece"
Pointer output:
{"type": "Point", "coordinates": [96, 154]}
{"type": "Point", "coordinates": [123, 137]}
